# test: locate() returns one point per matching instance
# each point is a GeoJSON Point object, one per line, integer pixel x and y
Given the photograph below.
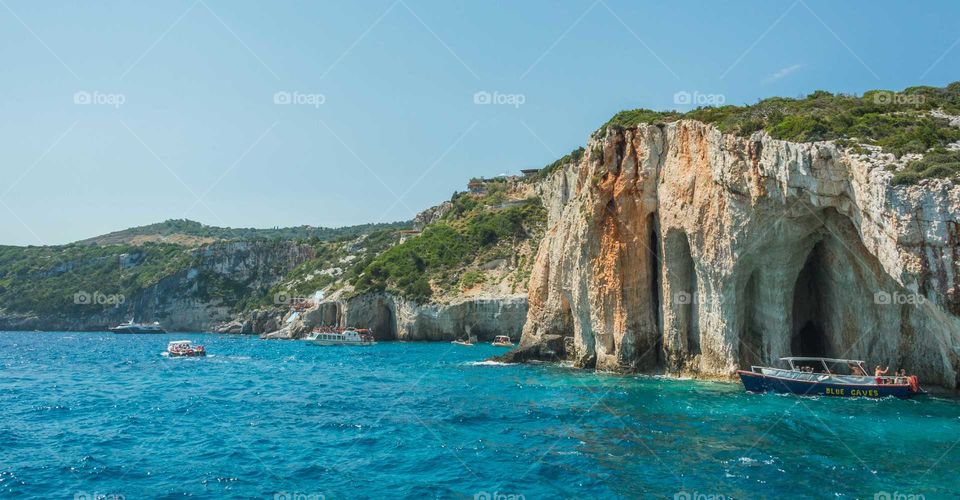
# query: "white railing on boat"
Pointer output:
{"type": "Point", "coordinates": [832, 378]}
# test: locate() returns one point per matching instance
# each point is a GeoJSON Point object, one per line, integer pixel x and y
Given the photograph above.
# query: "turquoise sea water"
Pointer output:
{"type": "Point", "coordinates": [89, 413]}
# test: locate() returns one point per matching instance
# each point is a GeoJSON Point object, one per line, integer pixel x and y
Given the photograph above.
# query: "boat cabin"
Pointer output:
{"type": "Point", "coordinates": [831, 366]}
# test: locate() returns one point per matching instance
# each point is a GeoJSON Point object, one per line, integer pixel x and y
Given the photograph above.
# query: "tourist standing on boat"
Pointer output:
{"type": "Point", "coordinates": [877, 372]}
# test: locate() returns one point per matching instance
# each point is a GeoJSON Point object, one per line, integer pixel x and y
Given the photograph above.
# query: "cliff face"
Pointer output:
{"type": "Point", "coordinates": [675, 248]}
{"type": "Point", "coordinates": [192, 299]}
{"type": "Point", "coordinates": [393, 318]}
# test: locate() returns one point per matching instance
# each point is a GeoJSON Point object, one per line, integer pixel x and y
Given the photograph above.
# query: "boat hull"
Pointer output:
{"type": "Point", "coordinates": [334, 342]}
{"type": "Point", "coordinates": [756, 382]}
{"type": "Point", "coordinates": [134, 330]}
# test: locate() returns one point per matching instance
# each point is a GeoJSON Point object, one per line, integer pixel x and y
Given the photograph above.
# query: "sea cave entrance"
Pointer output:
{"type": "Point", "coordinates": [385, 327]}
{"type": "Point", "coordinates": [654, 258]}
{"type": "Point", "coordinates": [809, 335]}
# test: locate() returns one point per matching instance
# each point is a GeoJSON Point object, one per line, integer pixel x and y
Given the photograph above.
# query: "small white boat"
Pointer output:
{"type": "Point", "coordinates": [185, 349]}
{"type": "Point", "coordinates": [131, 327]}
{"type": "Point", "coordinates": [502, 341]}
{"type": "Point", "coordinates": [469, 341]}
{"type": "Point", "coordinates": [345, 337]}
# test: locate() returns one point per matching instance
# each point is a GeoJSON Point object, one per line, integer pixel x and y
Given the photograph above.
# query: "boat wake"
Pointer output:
{"type": "Point", "coordinates": [489, 363]}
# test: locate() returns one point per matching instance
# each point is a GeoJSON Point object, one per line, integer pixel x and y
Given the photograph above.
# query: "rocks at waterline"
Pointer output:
{"type": "Point", "coordinates": [393, 318]}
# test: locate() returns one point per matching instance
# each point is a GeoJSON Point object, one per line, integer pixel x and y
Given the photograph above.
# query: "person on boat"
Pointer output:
{"type": "Point", "coordinates": [877, 372]}
{"type": "Point", "coordinates": [856, 370]}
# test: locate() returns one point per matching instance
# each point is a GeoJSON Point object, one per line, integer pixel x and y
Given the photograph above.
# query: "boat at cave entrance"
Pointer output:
{"type": "Point", "coordinates": [827, 377]}
{"type": "Point", "coordinates": [341, 336]}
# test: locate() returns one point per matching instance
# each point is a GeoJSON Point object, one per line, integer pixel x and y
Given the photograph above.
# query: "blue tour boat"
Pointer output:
{"type": "Point", "coordinates": [827, 377]}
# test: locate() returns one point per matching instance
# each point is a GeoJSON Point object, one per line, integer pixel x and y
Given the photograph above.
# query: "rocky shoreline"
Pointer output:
{"type": "Point", "coordinates": [392, 318]}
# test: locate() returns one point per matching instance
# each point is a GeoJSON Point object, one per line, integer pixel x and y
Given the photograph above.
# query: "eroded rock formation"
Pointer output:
{"type": "Point", "coordinates": [674, 248]}
{"type": "Point", "coordinates": [393, 318]}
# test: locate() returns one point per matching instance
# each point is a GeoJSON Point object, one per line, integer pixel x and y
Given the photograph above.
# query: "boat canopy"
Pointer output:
{"type": "Point", "coordinates": [826, 365]}
{"type": "Point", "coordinates": [828, 360]}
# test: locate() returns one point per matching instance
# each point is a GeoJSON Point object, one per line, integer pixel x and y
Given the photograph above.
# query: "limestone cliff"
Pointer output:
{"type": "Point", "coordinates": [393, 318]}
{"type": "Point", "coordinates": [675, 248]}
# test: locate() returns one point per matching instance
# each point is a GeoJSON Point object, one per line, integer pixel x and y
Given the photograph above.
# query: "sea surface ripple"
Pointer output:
{"type": "Point", "coordinates": [103, 414]}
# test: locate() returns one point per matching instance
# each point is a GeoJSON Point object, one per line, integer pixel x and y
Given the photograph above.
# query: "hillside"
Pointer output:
{"type": "Point", "coordinates": [478, 242]}
{"type": "Point", "coordinates": [190, 233]}
{"type": "Point", "coordinates": [183, 273]}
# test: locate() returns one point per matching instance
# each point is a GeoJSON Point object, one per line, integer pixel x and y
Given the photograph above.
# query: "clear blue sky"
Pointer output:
{"type": "Point", "coordinates": [198, 134]}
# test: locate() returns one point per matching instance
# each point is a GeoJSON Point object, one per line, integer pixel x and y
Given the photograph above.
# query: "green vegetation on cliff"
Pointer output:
{"type": "Point", "coordinates": [82, 278]}
{"type": "Point", "coordinates": [938, 163]}
{"type": "Point", "coordinates": [87, 278]}
{"type": "Point", "coordinates": [899, 122]}
{"type": "Point", "coordinates": [571, 157]}
{"type": "Point", "coordinates": [477, 228]}
{"type": "Point", "coordinates": [334, 261]}
{"type": "Point", "coordinates": [173, 228]}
